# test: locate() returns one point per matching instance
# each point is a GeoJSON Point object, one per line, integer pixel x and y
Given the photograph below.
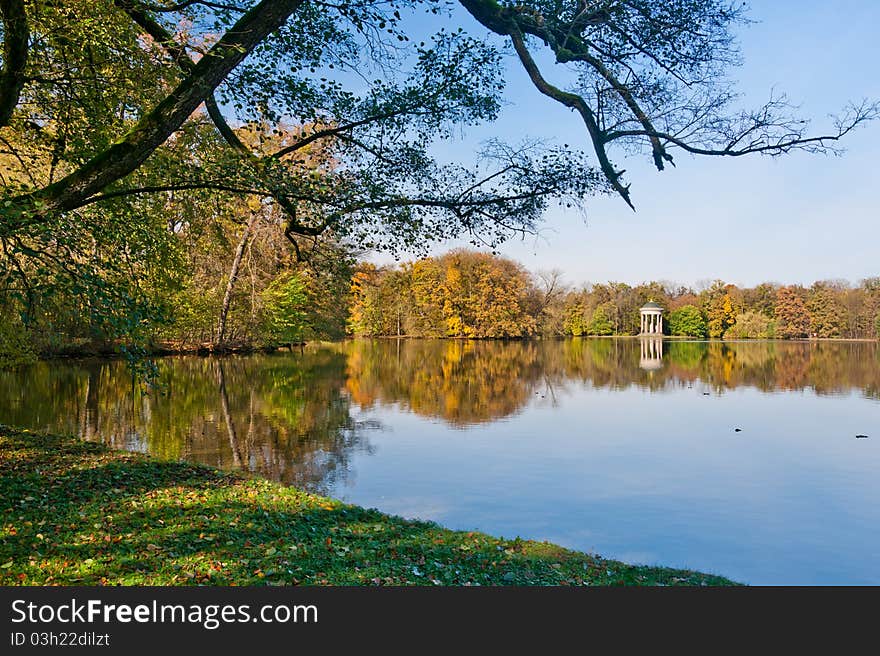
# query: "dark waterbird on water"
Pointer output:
{"type": "Point", "coordinates": [861, 437]}
{"type": "Point", "coordinates": [737, 430]}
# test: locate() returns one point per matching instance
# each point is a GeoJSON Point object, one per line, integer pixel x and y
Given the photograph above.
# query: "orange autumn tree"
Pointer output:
{"type": "Point", "coordinates": [481, 295]}
{"type": "Point", "coordinates": [792, 316]}
{"type": "Point", "coordinates": [461, 294]}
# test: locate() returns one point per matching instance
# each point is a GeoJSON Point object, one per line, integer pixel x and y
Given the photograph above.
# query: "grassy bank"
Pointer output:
{"type": "Point", "coordinates": [77, 513]}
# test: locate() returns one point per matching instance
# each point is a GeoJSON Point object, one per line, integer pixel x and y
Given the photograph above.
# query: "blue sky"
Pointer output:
{"type": "Point", "coordinates": [792, 219]}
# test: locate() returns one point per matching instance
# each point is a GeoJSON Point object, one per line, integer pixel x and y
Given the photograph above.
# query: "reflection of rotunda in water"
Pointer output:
{"type": "Point", "coordinates": [651, 353]}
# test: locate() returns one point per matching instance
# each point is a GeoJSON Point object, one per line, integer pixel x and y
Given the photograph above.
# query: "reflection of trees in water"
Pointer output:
{"type": "Point", "coordinates": [291, 418]}
{"type": "Point", "coordinates": [470, 382]}
{"type": "Point", "coordinates": [288, 416]}
{"type": "Point", "coordinates": [285, 417]}
{"type": "Point", "coordinates": [826, 367]}
{"type": "Point", "coordinates": [462, 382]}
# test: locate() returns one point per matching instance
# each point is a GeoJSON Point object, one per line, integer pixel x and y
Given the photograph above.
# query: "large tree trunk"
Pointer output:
{"type": "Point", "coordinates": [15, 52]}
{"type": "Point", "coordinates": [233, 277]}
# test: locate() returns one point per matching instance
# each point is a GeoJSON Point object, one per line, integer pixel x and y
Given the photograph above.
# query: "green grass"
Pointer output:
{"type": "Point", "coordinates": [78, 513]}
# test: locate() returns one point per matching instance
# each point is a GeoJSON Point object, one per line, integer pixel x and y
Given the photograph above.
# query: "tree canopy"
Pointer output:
{"type": "Point", "coordinates": [651, 73]}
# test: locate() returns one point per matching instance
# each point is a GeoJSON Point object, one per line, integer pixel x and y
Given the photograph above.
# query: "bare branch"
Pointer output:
{"type": "Point", "coordinates": [663, 65]}
{"type": "Point", "coordinates": [577, 103]}
{"type": "Point", "coordinates": [760, 134]}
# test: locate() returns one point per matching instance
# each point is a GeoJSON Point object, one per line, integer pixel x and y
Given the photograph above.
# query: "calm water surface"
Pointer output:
{"type": "Point", "coordinates": [624, 447]}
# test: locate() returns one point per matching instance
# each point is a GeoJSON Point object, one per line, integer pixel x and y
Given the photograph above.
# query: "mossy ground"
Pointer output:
{"type": "Point", "coordinates": [78, 513]}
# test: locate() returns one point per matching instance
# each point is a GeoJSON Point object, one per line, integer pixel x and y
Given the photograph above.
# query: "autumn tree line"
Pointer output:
{"type": "Point", "coordinates": [478, 295]}
{"type": "Point", "coordinates": [228, 284]}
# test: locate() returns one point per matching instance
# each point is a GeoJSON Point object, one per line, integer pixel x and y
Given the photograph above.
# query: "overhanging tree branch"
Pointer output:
{"type": "Point", "coordinates": [188, 3]}
{"type": "Point", "coordinates": [181, 186]}
{"type": "Point", "coordinates": [660, 49]}
{"type": "Point", "coordinates": [261, 165]}
{"type": "Point", "coordinates": [153, 129]}
{"type": "Point", "coordinates": [756, 140]}
{"type": "Point", "coordinates": [576, 102]}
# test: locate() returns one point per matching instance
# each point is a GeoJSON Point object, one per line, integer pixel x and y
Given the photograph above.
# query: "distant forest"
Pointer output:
{"type": "Point", "coordinates": [230, 295]}
{"type": "Point", "coordinates": [478, 295]}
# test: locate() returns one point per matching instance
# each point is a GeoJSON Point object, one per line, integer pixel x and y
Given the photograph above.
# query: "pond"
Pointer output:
{"type": "Point", "coordinates": [735, 458]}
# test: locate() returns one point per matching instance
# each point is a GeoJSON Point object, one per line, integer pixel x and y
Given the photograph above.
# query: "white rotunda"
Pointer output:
{"type": "Point", "coordinates": [652, 319]}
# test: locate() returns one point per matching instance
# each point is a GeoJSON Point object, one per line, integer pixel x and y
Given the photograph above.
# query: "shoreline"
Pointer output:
{"type": "Point", "coordinates": [80, 513]}
{"type": "Point", "coordinates": [205, 350]}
